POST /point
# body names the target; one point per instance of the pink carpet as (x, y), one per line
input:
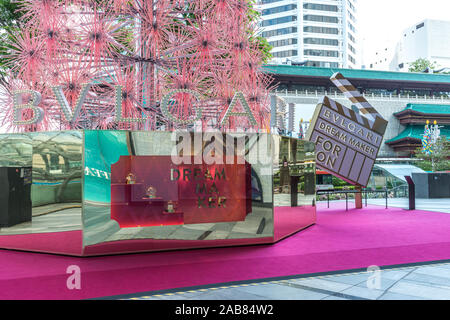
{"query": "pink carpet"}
(289, 220)
(340, 240)
(66, 242)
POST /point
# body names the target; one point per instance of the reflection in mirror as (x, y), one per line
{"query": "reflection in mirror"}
(40, 175)
(294, 186)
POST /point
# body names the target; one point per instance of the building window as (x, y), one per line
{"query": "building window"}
(279, 32)
(310, 17)
(276, 21)
(351, 16)
(322, 64)
(351, 5)
(279, 9)
(351, 27)
(321, 30)
(350, 47)
(321, 7)
(284, 42)
(321, 53)
(320, 41)
(351, 37)
(269, 1)
(352, 60)
(284, 54)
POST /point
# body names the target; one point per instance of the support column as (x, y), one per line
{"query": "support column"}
(358, 197)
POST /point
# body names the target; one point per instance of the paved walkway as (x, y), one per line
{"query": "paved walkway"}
(439, 205)
(419, 282)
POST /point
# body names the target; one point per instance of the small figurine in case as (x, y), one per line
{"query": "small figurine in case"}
(131, 178)
(170, 206)
(151, 192)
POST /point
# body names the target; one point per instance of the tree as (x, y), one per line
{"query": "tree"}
(439, 158)
(263, 44)
(10, 23)
(9, 15)
(421, 65)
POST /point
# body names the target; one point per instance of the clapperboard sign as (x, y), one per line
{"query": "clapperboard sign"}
(347, 142)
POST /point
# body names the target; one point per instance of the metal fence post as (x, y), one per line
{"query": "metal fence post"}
(366, 196)
(386, 198)
(346, 201)
(328, 199)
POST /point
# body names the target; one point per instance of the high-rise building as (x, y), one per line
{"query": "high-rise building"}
(320, 33)
(429, 39)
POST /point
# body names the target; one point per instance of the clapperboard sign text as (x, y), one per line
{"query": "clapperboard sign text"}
(347, 142)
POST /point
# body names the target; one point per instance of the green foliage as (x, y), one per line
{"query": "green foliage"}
(9, 15)
(263, 44)
(440, 156)
(10, 22)
(421, 64)
(338, 182)
(264, 47)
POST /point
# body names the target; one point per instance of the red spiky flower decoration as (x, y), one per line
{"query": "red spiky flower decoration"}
(133, 53)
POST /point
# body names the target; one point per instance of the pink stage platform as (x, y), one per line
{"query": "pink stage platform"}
(340, 240)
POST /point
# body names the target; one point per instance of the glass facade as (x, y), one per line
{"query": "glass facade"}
(321, 30)
(321, 41)
(283, 54)
(350, 47)
(316, 24)
(269, 1)
(325, 19)
(279, 32)
(279, 9)
(321, 53)
(352, 38)
(322, 64)
(280, 20)
(284, 42)
(320, 7)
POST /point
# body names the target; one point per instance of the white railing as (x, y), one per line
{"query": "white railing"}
(336, 95)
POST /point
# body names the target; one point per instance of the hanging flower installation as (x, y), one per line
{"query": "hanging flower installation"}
(133, 64)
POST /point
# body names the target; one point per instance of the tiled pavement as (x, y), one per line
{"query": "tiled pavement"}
(439, 205)
(418, 282)
(66, 218)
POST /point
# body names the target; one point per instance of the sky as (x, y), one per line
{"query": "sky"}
(381, 22)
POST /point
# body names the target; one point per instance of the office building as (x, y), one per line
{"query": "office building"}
(428, 39)
(311, 32)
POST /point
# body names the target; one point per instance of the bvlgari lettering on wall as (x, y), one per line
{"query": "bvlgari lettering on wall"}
(70, 114)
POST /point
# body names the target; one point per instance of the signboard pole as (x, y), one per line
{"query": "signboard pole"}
(412, 193)
(358, 197)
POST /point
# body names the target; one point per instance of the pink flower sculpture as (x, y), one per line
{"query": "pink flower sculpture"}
(133, 53)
